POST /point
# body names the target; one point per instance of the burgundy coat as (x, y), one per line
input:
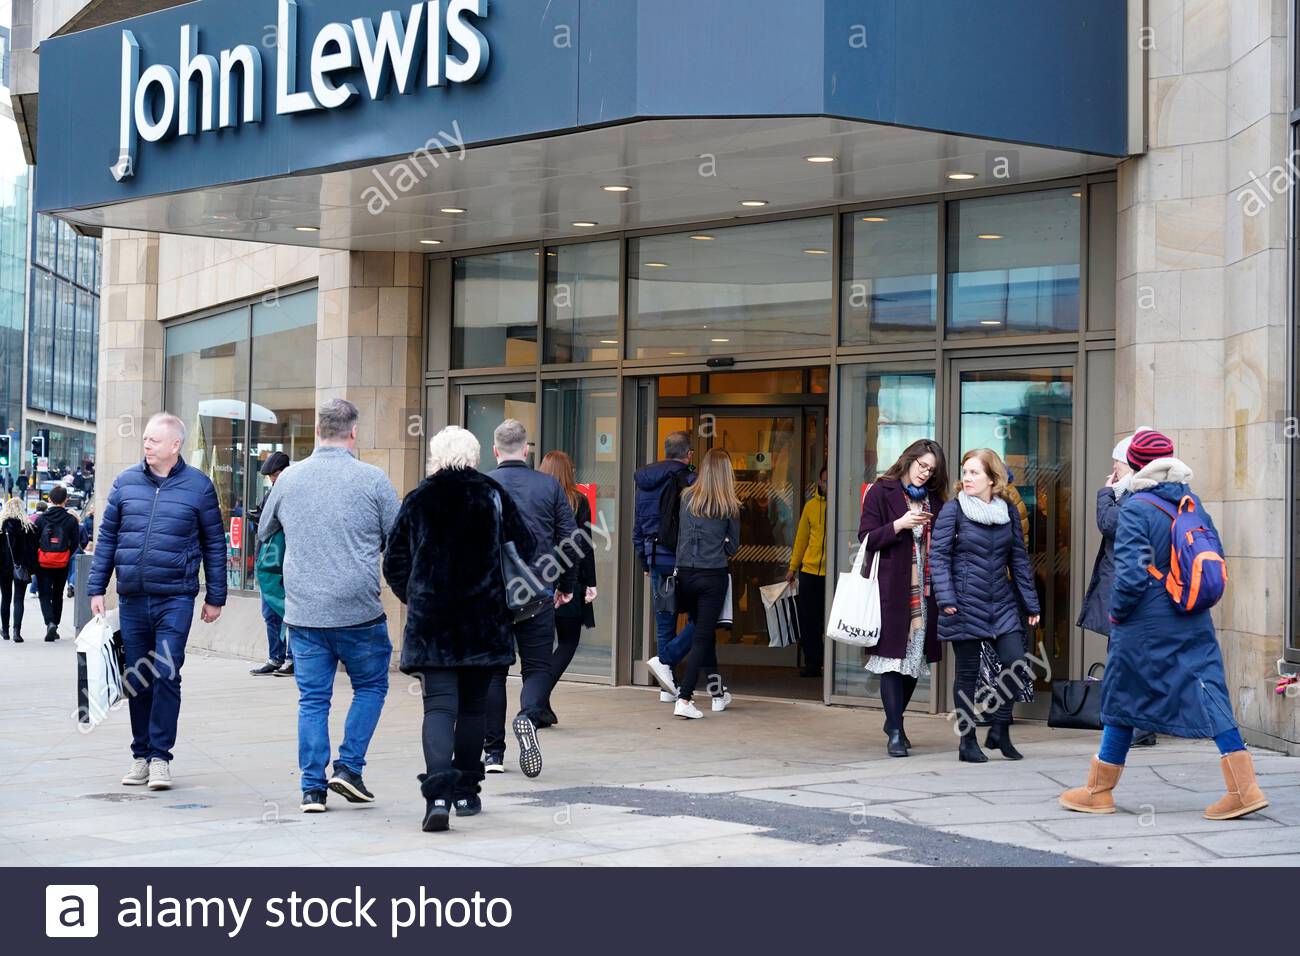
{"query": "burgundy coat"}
(885, 503)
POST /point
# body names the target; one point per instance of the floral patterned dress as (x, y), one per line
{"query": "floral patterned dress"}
(913, 663)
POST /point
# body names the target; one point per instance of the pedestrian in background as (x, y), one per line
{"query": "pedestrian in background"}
(896, 524)
(984, 588)
(1164, 671)
(17, 564)
(549, 516)
(58, 535)
(808, 562)
(269, 567)
(444, 564)
(161, 522)
(708, 535)
(336, 513)
(570, 618)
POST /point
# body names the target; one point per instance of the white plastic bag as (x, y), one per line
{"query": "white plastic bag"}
(100, 662)
(782, 616)
(855, 611)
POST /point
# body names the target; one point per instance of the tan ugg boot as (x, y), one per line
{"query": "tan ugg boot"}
(1095, 796)
(1244, 795)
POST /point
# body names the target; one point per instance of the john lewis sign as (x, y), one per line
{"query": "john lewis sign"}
(207, 92)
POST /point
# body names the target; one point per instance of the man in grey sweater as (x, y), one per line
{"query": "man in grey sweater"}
(336, 513)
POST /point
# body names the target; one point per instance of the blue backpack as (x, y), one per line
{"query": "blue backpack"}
(1198, 574)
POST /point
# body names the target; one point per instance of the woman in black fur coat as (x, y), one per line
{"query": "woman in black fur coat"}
(444, 563)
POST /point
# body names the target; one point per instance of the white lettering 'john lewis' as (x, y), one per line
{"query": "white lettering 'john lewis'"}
(207, 92)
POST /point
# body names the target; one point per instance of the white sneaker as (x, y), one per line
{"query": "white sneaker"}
(667, 697)
(663, 674)
(687, 709)
(722, 703)
(138, 775)
(160, 775)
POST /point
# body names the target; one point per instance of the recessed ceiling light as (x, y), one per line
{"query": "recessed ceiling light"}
(452, 210)
(585, 224)
(430, 242)
(720, 341)
(616, 189)
(988, 235)
(656, 265)
(701, 237)
(990, 321)
(609, 341)
(961, 176)
(676, 353)
(1077, 195)
(875, 219)
(819, 159)
(306, 229)
(814, 252)
(754, 203)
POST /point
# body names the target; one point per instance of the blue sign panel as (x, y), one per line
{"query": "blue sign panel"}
(224, 91)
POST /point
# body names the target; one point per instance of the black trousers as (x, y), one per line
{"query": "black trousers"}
(1011, 651)
(534, 639)
(811, 604)
(700, 593)
(12, 592)
(455, 707)
(568, 632)
(50, 583)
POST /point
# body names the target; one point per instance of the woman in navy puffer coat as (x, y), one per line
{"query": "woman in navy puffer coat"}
(1164, 671)
(977, 540)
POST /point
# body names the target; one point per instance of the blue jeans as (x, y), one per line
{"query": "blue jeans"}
(154, 632)
(672, 647)
(278, 650)
(365, 652)
(1115, 742)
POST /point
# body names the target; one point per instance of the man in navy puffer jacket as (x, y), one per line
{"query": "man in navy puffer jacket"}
(161, 521)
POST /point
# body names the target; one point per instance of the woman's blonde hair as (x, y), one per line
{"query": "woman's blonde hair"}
(714, 493)
(993, 468)
(560, 467)
(13, 508)
(453, 447)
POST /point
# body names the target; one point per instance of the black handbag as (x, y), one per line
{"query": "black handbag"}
(21, 574)
(664, 597)
(1076, 704)
(520, 583)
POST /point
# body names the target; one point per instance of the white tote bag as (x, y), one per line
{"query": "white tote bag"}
(782, 615)
(99, 671)
(855, 611)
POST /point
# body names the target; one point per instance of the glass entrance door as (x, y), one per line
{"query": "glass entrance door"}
(1026, 415)
(484, 407)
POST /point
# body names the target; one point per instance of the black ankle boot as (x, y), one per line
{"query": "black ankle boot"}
(897, 746)
(999, 738)
(438, 790)
(969, 750)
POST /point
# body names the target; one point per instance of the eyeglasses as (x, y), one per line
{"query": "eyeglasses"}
(924, 468)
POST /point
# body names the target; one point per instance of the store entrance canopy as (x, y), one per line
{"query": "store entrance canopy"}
(349, 124)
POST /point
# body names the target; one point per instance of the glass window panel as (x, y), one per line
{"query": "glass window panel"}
(207, 388)
(283, 410)
(1103, 213)
(485, 411)
(890, 283)
(782, 381)
(494, 310)
(763, 287)
(582, 303)
(881, 413)
(580, 418)
(1013, 263)
(679, 386)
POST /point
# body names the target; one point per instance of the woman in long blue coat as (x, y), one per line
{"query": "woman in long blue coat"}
(1164, 672)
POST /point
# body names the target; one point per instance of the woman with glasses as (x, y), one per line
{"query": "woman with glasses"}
(895, 525)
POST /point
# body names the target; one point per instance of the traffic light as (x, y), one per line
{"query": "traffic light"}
(4, 451)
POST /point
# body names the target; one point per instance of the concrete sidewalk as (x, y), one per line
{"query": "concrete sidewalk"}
(625, 784)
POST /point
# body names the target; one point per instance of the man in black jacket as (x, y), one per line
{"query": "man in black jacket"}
(547, 513)
(59, 533)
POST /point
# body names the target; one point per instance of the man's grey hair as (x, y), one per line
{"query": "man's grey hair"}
(172, 422)
(510, 437)
(453, 447)
(677, 446)
(336, 419)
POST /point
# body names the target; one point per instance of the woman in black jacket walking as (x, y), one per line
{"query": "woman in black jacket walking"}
(977, 540)
(17, 558)
(444, 563)
(572, 617)
(708, 534)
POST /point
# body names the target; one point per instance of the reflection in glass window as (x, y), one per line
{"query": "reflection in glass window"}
(1013, 263)
(582, 303)
(890, 284)
(754, 288)
(881, 413)
(494, 310)
(484, 412)
(581, 419)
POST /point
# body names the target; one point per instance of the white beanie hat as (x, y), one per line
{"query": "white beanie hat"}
(1121, 450)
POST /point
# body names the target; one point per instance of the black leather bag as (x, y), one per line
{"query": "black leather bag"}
(664, 597)
(1076, 704)
(523, 600)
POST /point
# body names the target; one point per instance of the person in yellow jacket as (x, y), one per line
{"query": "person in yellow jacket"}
(808, 561)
